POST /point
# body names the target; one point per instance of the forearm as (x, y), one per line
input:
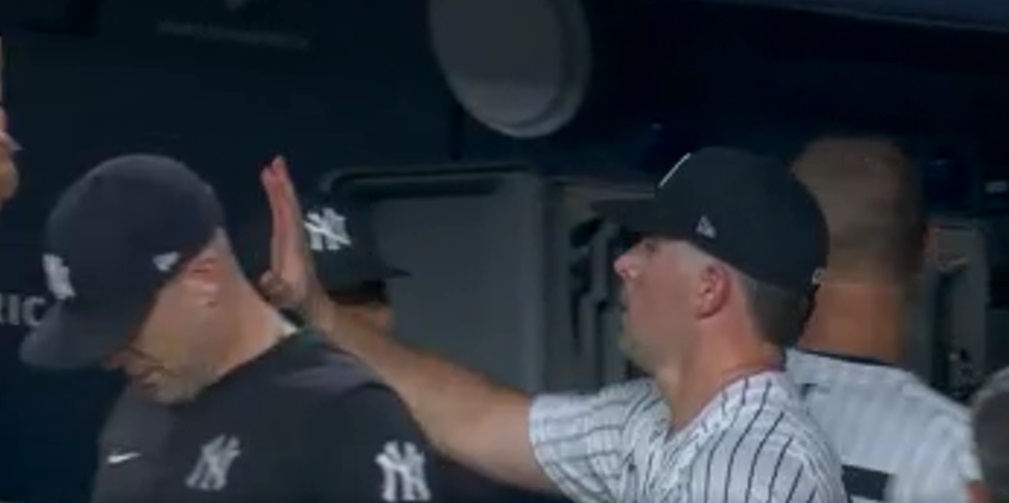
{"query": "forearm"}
(466, 416)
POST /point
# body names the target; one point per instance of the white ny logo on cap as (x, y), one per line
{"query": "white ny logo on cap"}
(327, 230)
(57, 276)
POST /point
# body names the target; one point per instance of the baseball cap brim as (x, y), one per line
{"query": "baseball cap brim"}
(70, 338)
(338, 272)
(641, 215)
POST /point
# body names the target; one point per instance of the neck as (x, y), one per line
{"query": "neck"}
(860, 320)
(257, 327)
(707, 368)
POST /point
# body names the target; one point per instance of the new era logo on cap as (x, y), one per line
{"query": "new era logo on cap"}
(166, 261)
(705, 228)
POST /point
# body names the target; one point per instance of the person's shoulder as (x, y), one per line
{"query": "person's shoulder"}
(319, 371)
(774, 461)
(903, 392)
(767, 444)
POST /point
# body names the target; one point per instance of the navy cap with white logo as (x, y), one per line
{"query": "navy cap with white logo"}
(745, 209)
(341, 243)
(114, 238)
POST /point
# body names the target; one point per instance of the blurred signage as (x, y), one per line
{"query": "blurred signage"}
(278, 24)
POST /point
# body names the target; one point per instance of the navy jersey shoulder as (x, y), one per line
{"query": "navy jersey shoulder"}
(311, 371)
(300, 423)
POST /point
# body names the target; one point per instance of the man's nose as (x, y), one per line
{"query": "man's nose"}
(626, 266)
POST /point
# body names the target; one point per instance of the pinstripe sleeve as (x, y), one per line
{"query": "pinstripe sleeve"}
(577, 439)
(737, 467)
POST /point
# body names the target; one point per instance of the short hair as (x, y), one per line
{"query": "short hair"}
(367, 293)
(871, 195)
(990, 417)
(780, 315)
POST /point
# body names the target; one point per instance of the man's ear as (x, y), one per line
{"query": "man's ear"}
(712, 291)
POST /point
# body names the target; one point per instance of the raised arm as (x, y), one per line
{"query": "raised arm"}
(478, 423)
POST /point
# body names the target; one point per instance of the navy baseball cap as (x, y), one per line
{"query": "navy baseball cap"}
(342, 245)
(114, 238)
(746, 210)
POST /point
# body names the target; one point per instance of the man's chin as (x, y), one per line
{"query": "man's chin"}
(630, 349)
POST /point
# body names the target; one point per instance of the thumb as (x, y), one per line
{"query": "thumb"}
(276, 290)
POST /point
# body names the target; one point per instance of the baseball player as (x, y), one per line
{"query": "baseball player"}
(731, 248)
(990, 416)
(227, 401)
(355, 278)
(899, 440)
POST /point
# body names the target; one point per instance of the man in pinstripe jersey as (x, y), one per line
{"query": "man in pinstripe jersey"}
(731, 251)
(899, 440)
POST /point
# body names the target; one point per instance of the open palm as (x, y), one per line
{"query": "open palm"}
(291, 278)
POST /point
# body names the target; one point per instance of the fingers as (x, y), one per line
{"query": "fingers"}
(284, 218)
(277, 219)
(282, 184)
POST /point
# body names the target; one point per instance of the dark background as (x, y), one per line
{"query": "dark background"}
(87, 80)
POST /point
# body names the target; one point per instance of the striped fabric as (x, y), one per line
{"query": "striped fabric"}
(900, 441)
(754, 443)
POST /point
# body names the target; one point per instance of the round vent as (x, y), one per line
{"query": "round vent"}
(520, 67)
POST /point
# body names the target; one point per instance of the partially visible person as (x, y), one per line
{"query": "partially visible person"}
(730, 254)
(990, 418)
(900, 441)
(355, 276)
(228, 402)
(9, 178)
(344, 251)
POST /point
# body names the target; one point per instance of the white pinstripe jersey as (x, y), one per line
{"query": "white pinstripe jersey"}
(899, 440)
(754, 443)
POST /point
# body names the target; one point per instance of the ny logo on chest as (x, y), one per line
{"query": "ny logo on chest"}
(216, 458)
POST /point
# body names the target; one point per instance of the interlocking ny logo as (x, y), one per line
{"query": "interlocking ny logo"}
(403, 478)
(216, 457)
(327, 230)
(57, 276)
